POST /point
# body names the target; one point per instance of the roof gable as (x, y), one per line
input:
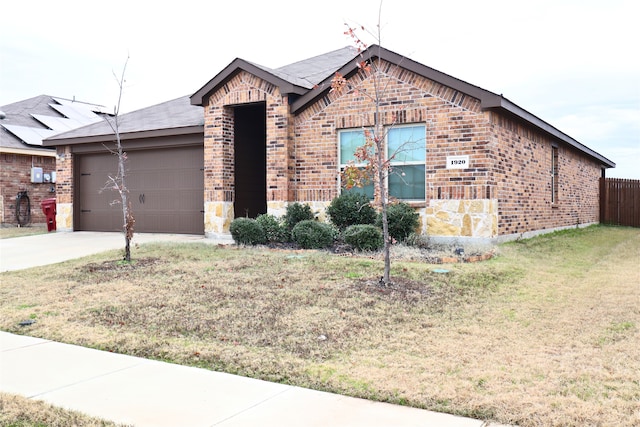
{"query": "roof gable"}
(378, 52)
(231, 70)
(297, 78)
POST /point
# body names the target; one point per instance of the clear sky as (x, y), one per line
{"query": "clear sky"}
(573, 63)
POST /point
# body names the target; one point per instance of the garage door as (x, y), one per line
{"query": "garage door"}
(166, 189)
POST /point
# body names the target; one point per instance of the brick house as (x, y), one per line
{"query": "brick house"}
(480, 167)
(25, 164)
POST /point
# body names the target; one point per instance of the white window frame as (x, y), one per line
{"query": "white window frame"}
(342, 165)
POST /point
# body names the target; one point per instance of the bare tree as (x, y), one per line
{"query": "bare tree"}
(373, 153)
(117, 182)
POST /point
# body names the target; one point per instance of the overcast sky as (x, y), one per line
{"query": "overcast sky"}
(574, 64)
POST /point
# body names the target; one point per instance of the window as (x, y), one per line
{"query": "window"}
(554, 175)
(349, 141)
(407, 146)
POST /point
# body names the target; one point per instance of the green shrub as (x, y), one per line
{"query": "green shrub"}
(364, 237)
(403, 220)
(311, 234)
(274, 229)
(297, 212)
(247, 231)
(351, 208)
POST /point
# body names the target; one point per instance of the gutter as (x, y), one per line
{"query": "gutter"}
(110, 137)
(27, 152)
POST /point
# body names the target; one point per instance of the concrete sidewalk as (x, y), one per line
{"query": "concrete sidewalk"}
(142, 392)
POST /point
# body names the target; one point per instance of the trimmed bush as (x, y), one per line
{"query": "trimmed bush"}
(247, 231)
(311, 234)
(297, 212)
(274, 229)
(351, 208)
(403, 220)
(364, 237)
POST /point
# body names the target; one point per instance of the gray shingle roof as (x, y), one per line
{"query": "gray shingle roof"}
(309, 72)
(175, 114)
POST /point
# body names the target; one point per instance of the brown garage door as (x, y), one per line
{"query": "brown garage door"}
(166, 189)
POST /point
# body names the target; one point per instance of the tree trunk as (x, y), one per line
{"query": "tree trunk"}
(127, 217)
(381, 159)
(126, 213)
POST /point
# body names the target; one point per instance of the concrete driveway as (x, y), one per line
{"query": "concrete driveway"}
(19, 253)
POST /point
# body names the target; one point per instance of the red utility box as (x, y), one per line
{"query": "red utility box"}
(49, 209)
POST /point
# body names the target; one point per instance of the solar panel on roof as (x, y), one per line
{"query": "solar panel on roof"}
(92, 107)
(58, 124)
(31, 136)
(83, 116)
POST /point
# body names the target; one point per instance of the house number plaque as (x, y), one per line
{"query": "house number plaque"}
(457, 162)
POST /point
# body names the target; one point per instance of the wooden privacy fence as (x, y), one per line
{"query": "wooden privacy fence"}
(620, 201)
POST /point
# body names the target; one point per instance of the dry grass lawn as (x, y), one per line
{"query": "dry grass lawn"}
(9, 232)
(545, 334)
(18, 411)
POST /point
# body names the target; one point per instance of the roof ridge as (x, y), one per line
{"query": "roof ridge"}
(351, 48)
(317, 68)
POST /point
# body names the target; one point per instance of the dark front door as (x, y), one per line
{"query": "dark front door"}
(250, 136)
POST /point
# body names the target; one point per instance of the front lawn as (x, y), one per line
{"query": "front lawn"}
(9, 231)
(547, 333)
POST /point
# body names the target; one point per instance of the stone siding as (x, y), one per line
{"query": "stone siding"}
(217, 218)
(462, 218)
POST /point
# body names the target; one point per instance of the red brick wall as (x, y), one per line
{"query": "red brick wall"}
(522, 171)
(15, 176)
(454, 126)
(218, 153)
(64, 172)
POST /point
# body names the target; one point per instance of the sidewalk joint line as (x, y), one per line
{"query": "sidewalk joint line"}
(288, 388)
(27, 346)
(143, 362)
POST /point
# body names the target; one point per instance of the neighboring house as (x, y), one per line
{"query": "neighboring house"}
(483, 169)
(25, 164)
